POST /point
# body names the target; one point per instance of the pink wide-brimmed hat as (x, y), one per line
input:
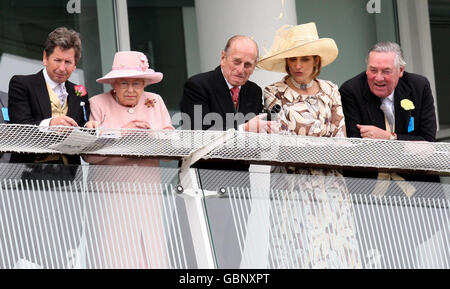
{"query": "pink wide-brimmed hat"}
(131, 64)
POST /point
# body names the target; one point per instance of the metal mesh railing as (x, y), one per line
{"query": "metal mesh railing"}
(238, 146)
(113, 217)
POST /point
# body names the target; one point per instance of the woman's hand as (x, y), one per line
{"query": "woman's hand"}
(92, 124)
(140, 124)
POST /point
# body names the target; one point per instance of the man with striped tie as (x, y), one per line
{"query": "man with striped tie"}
(48, 98)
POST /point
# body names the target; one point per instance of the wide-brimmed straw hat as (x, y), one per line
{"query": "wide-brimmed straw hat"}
(297, 41)
(131, 64)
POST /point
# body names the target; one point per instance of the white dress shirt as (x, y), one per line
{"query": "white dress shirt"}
(388, 104)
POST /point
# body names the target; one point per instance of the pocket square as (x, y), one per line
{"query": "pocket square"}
(5, 114)
(411, 124)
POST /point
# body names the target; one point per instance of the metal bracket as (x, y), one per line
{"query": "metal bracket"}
(193, 197)
(196, 155)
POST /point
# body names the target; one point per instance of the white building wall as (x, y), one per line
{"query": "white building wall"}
(218, 20)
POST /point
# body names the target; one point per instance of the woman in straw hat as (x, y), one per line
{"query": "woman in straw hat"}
(314, 105)
(132, 231)
(310, 107)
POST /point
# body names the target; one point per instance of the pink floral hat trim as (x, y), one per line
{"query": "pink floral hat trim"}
(131, 64)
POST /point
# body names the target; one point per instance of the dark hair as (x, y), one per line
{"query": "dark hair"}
(235, 37)
(64, 38)
(317, 67)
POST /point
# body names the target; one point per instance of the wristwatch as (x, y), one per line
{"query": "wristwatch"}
(393, 136)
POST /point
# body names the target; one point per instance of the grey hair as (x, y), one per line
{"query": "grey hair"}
(236, 37)
(64, 38)
(399, 60)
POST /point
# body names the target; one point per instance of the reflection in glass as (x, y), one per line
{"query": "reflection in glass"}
(26, 26)
(300, 221)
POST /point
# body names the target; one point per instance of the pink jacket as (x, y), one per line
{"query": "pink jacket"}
(110, 114)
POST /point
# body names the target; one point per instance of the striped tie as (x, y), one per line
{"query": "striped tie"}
(235, 93)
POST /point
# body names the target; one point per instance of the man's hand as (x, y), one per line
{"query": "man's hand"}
(370, 131)
(261, 125)
(63, 121)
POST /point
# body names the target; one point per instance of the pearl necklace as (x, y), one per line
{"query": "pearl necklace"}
(301, 86)
(130, 110)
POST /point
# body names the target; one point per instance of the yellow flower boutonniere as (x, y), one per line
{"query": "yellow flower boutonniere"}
(407, 104)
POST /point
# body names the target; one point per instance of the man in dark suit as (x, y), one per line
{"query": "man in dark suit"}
(385, 79)
(385, 102)
(224, 98)
(48, 98)
(219, 100)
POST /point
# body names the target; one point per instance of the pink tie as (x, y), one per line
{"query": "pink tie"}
(235, 92)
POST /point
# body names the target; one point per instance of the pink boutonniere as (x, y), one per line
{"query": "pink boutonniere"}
(80, 90)
(150, 102)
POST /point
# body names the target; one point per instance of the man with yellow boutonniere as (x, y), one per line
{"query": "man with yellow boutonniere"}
(386, 102)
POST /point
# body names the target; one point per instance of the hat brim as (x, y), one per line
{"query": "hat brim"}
(150, 77)
(326, 48)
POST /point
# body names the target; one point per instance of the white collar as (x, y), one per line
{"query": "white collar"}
(50, 82)
(229, 85)
(390, 97)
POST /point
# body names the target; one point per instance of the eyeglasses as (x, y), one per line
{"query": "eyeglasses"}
(134, 84)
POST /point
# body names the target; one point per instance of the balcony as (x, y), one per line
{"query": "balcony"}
(86, 216)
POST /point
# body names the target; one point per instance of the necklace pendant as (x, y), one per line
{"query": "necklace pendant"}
(131, 110)
(302, 86)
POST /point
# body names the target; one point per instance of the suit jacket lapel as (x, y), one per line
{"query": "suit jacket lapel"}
(375, 114)
(42, 95)
(73, 101)
(242, 97)
(402, 91)
(222, 93)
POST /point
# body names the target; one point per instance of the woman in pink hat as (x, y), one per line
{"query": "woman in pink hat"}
(127, 105)
(132, 234)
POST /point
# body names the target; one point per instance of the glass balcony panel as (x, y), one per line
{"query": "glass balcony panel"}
(92, 217)
(314, 221)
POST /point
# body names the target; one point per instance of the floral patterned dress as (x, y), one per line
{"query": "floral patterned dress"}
(313, 224)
